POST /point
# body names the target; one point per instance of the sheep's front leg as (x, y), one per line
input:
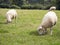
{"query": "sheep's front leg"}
(51, 31)
(45, 31)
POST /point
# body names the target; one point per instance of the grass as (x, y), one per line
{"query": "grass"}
(22, 31)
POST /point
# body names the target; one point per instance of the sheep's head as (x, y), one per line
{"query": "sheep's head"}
(41, 30)
(8, 21)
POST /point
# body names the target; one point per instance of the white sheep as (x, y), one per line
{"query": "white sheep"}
(10, 15)
(52, 8)
(48, 21)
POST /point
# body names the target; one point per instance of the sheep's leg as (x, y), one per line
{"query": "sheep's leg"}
(45, 31)
(51, 31)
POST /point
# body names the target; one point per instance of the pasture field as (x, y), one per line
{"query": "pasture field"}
(23, 30)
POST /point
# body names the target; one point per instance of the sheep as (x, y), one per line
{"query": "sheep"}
(48, 21)
(52, 8)
(11, 14)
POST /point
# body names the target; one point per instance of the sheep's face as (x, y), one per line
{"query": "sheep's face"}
(8, 21)
(41, 31)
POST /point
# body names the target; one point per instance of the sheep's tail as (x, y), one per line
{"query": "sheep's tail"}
(52, 9)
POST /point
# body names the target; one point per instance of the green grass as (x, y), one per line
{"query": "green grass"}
(23, 30)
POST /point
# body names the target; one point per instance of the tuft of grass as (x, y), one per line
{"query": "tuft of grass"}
(23, 30)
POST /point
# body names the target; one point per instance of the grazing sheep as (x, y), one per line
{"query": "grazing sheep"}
(52, 8)
(48, 21)
(11, 14)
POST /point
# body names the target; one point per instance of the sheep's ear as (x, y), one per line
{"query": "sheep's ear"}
(39, 28)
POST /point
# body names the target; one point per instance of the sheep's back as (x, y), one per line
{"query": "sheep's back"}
(49, 19)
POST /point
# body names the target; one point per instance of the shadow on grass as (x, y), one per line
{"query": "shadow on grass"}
(4, 31)
(3, 23)
(34, 33)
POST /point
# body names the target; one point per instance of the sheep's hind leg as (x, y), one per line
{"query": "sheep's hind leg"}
(51, 31)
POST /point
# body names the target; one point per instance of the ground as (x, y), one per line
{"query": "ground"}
(23, 30)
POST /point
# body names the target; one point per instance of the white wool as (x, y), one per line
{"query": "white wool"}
(48, 21)
(52, 8)
(10, 14)
(50, 16)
